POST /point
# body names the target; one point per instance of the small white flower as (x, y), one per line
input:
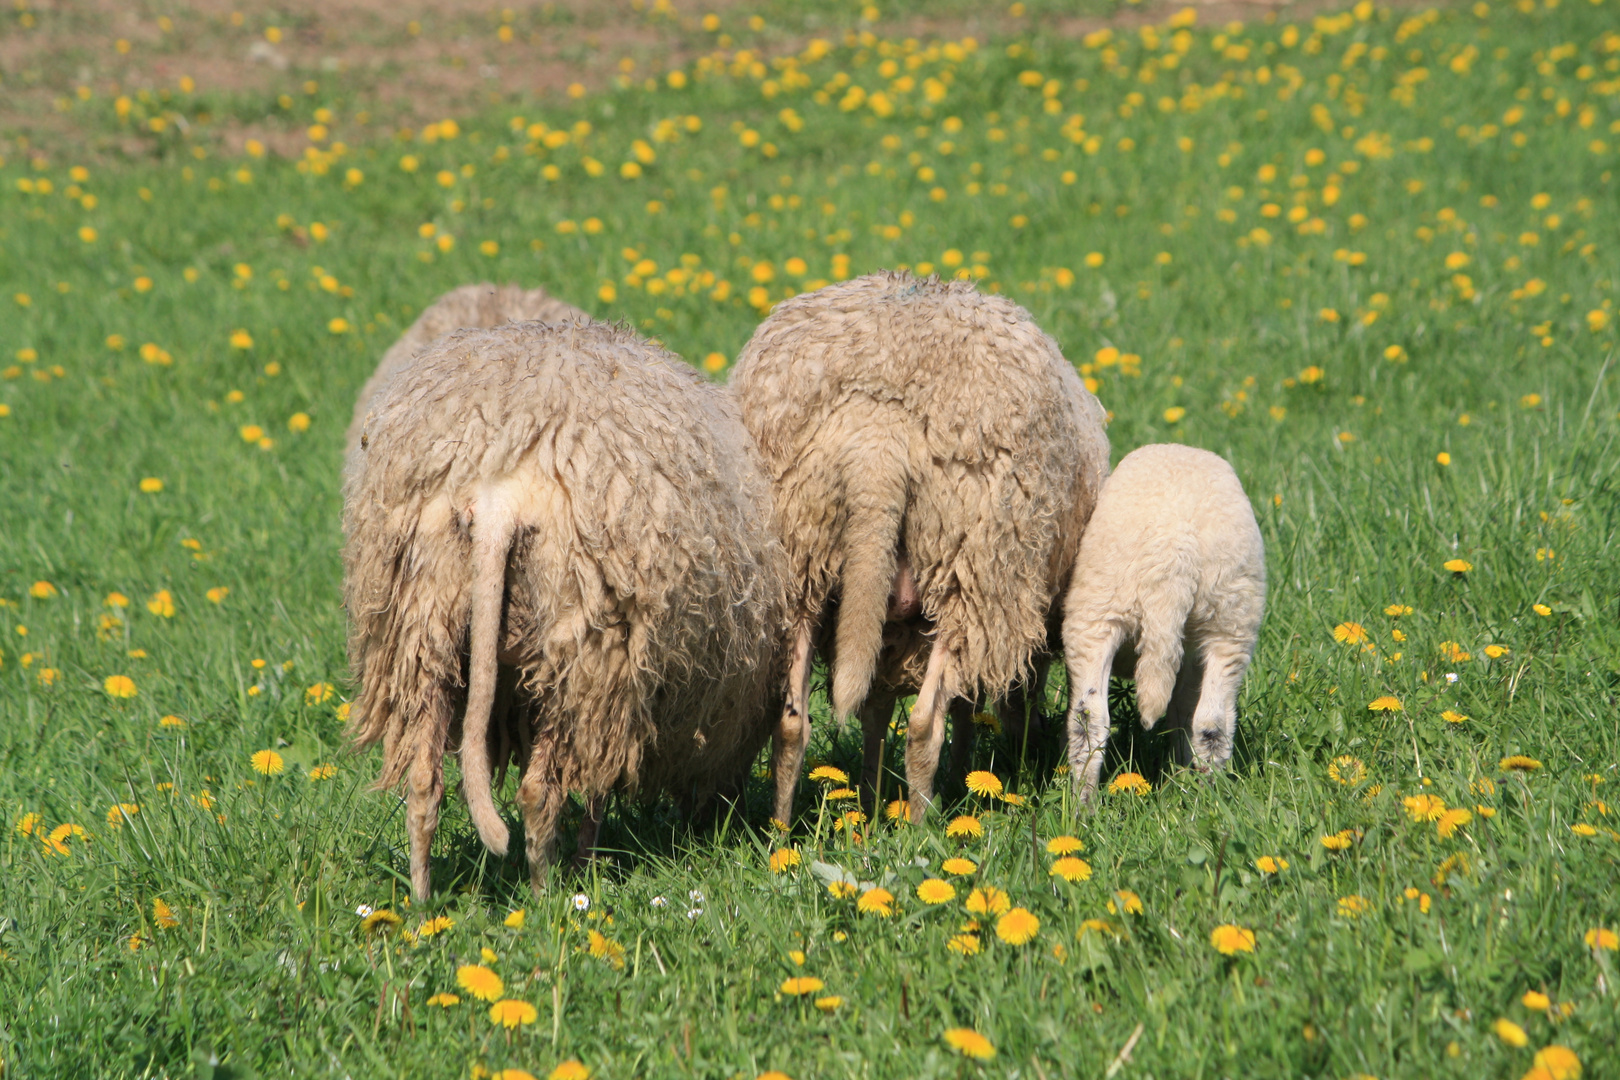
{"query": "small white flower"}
(693, 913)
(581, 902)
(363, 910)
(1451, 676)
(660, 901)
(696, 896)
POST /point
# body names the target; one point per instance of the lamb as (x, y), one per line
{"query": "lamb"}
(569, 518)
(934, 459)
(1170, 584)
(464, 307)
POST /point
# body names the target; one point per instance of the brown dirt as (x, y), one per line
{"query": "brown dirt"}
(382, 64)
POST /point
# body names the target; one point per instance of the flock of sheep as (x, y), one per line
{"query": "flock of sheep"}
(568, 552)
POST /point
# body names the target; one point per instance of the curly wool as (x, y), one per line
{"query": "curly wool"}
(1169, 587)
(895, 411)
(464, 307)
(643, 594)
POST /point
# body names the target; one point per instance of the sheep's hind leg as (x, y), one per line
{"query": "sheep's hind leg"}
(1178, 716)
(424, 794)
(590, 828)
(792, 736)
(1091, 661)
(877, 711)
(541, 797)
(1214, 722)
(925, 732)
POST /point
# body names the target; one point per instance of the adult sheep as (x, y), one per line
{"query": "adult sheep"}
(1169, 587)
(573, 505)
(934, 459)
(462, 308)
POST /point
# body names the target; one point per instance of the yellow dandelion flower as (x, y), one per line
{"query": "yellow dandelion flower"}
(1354, 906)
(1127, 901)
(1071, 869)
(515, 919)
(829, 1004)
(1229, 940)
(437, 925)
(1395, 611)
(161, 604)
(267, 762)
(1601, 938)
(1347, 770)
(1135, 783)
(1269, 864)
(28, 824)
(1536, 1000)
(510, 1013)
(1350, 633)
(42, 590)
(800, 985)
(1541, 609)
(571, 1069)
(835, 794)
(1558, 1062)
(988, 900)
(323, 772)
(1011, 799)
(964, 944)
(1518, 762)
(784, 860)
(382, 919)
(898, 810)
(604, 948)
(1509, 1032)
(1339, 841)
(1387, 703)
(966, 1041)
(877, 901)
(1452, 717)
(841, 890)
(958, 867)
(1424, 807)
(829, 774)
(171, 721)
(1583, 829)
(119, 813)
(982, 782)
(1452, 820)
(119, 686)
(164, 915)
(444, 1001)
(1064, 845)
(965, 826)
(480, 982)
(1017, 927)
(1458, 566)
(935, 891)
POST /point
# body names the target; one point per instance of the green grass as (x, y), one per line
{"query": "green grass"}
(268, 971)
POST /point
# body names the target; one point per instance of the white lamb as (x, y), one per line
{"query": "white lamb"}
(1171, 568)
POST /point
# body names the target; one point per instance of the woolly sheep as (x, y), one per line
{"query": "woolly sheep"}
(1170, 584)
(577, 510)
(465, 307)
(931, 451)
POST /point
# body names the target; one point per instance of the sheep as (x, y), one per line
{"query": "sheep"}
(934, 459)
(464, 307)
(1170, 585)
(576, 519)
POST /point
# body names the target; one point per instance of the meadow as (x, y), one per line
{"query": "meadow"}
(1368, 255)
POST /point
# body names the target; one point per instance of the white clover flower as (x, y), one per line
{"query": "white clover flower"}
(581, 902)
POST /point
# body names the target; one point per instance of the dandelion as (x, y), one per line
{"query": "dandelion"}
(829, 774)
(1518, 763)
(1071, 869)
(1541, 609)
(1458, 566)
(571, 1069)
(323, 772)
(151, 485)
(988, 900)
(1017, 927)
(1350, 633)
(1424, 807)
(1127, 901)
(514, 920)
(1229, 940)
(936, 891)
(840, 793)
(841, 890)
(981, 782)
(604, 948)
(1354, 906)
(1339, 841)
(1509, 1032)
(1347, 770)
(965, 826)
(161, 604)
(1064, 845)
(42, 590)
(1496, 652)
(382, 919)
(171, 721)
(877, 901)
(218, 594)
(443, 1000)
(829, 1004)
(267, 762)
(1387, 703)
(1174, 414)
(800, 985)
(1452, 717)
(1452, 652)
(1135, 783)
(958, 867)
(784, 860)
(119, 686)
(970, 1043)
(436, 925)
(964, 944)
(1536, 1001)
(898, 810)
(1270, 864)
(480, 982)
(120, 813)
(1558, 1063)
(1601, 938)
(241, 339)
(510, 1013)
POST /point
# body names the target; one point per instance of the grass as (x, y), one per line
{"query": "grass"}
(1413, 367)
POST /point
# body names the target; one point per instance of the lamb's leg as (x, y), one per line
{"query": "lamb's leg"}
(1215, 719)
(792, 736)
(876, 712)
(590, 828)
(1178, 717)
(1091, 660)
(925, 733)
(424, 794)
(541, 797)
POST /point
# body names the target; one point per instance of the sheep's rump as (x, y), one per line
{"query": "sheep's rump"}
(464, 307)
(644, 590)
(959, 405)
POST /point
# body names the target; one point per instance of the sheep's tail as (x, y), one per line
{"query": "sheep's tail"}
(1159, 648)
(871, 536)
(492, 526)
